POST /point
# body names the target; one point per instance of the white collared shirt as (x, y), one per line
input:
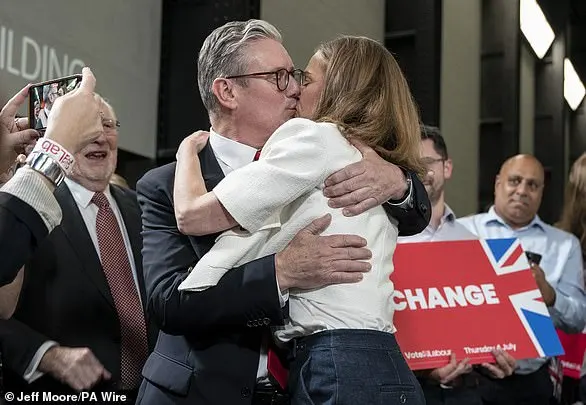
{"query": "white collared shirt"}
(231, 155)
(448, 229)
(561, 262)
(89, 212)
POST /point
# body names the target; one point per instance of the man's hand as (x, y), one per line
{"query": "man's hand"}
(365, 184)
(448, 373)
(547, 291)
(311, 261)
(76, 117)
(505, 364)
(192, 144)
(74, 366)
(15, 137)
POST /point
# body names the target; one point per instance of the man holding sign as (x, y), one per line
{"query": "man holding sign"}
(456, 383)
(556, 262)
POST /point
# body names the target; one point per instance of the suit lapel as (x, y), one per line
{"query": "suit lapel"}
(131, 216)
(210, 168)
(75, 230)
(212, 175)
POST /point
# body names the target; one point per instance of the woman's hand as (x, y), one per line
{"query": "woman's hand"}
(193, 144)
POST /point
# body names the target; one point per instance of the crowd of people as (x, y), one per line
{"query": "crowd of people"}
(256, 268)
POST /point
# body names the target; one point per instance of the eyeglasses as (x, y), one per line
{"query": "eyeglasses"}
(110, 124)
(281, 77)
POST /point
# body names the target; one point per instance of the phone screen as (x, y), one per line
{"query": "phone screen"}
(42, 96)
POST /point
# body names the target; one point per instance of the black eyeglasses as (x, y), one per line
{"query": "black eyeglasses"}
(281, 77)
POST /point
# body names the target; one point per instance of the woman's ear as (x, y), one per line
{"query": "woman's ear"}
(223, 89)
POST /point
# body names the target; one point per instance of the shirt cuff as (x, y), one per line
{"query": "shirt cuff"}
(406, 202)
(31, 374)
(283, 296)
(560, 306)
(28, 185)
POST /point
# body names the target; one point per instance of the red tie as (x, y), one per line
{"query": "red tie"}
(114, 258)
(256, 156)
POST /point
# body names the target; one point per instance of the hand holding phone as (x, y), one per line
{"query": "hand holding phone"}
(532, 257)
(42, 97)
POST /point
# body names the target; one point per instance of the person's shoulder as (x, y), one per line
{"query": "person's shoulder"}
(559, 234)
(305, 126)
(471, 218)
(158, 177)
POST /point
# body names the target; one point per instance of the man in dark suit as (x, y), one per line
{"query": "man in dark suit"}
(28, 210)
(214, 345)
(80, 323)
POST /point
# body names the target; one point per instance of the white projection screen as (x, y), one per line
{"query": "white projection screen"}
(119, 40)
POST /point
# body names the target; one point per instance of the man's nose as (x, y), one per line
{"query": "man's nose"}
(294, 89)
(522, 188)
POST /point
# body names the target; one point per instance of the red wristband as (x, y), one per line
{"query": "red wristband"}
(57, 152)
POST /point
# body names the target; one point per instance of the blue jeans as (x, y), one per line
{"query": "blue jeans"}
(351, 367)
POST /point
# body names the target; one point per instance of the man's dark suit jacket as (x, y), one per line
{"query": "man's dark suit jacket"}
(21, 231)
(208, 348)
(66, 298)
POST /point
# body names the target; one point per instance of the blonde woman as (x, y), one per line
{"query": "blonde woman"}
(345, 350)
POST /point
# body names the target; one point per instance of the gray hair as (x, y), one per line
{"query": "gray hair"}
(222, 54)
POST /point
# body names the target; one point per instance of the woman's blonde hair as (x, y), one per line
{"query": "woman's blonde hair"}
(366, 94)
(573, 217)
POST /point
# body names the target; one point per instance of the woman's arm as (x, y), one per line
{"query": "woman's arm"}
(296, 158)
(197, 211)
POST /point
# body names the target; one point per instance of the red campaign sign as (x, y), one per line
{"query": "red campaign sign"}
(574, 346)
(468, 297)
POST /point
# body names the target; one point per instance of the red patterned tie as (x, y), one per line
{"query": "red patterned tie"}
(114, 258)
(256, 156)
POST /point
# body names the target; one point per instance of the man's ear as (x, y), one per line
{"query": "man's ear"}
(448, 166)
(223, 89)
(497, 181)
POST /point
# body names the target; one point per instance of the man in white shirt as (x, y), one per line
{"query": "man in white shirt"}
(557, 268)
(80, 322)
(455, 383)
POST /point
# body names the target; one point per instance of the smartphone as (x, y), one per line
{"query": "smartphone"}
(533, 257)
(41, 97)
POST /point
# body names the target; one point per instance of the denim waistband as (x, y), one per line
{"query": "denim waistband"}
(355, 338)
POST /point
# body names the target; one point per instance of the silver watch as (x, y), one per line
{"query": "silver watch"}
(47, 166)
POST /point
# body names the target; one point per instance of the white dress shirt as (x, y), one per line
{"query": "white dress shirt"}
(448, 229)
(89, 213)
(561, 262)
(232, 155)
(282, 193)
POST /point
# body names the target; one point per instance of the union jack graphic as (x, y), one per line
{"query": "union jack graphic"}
(507, 258)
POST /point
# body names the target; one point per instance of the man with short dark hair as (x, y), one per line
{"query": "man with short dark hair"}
(456, 383)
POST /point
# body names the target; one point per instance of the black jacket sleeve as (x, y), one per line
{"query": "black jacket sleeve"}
(415, 219)
(18, 344)
(21, 230)
(244, 297)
